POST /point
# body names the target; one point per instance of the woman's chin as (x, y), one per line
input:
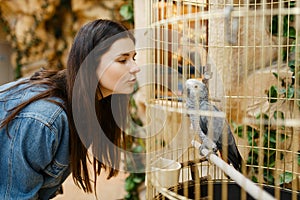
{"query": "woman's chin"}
(129, 91)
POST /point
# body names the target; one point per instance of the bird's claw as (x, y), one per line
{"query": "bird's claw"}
(209, 144)
(210, 151)
(213, 149)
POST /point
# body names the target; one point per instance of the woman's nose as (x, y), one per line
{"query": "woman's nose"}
(134, 69)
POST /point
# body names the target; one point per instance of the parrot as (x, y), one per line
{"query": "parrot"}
(211, 129)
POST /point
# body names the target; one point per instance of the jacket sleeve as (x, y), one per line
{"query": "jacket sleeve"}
(40, 160)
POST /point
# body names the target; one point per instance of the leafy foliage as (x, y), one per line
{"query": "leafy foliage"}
(136, 145)
(270, 139)
(131, 184)
(287, 90)
(286, 177)
(127, 12)
(265, 140)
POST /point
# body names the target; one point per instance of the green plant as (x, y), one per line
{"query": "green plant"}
(131, 185)
(271, 137)
(135, 145)
(264, 139)
(127, 12)
(134, 180)
(289, 55)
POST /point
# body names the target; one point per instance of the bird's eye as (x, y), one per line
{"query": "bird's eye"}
(196, 86)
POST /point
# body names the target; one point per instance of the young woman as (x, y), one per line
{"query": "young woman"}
(47, 121)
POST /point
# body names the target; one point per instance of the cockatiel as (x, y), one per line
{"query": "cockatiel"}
(211, 129)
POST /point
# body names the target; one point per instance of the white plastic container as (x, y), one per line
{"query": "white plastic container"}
(165, 172)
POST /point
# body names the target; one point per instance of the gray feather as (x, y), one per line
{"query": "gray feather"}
(211, 125)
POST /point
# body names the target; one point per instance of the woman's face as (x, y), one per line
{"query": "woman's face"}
(117, 68)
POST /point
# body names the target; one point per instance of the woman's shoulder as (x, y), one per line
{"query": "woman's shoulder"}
(45, 110)
(13, 90)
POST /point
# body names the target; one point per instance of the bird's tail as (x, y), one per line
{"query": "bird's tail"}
(235, 158)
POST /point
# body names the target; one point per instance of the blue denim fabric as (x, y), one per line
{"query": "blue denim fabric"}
(34, 159)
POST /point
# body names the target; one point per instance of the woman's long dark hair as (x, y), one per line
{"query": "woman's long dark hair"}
(90, 42)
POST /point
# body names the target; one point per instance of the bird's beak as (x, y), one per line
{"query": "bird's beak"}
(188, 92)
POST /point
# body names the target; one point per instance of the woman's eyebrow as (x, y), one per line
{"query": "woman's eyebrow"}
(126, 54)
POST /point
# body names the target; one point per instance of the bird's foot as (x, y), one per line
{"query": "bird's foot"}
(209, 145)
(206, 144)
(210, 151)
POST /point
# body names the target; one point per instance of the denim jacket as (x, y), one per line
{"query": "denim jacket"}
(34, 150)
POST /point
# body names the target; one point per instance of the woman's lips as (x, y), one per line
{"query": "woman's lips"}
(133, 79)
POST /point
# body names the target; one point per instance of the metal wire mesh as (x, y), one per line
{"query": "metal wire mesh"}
(249, 51)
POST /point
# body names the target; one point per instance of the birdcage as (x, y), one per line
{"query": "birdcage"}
(247, 53)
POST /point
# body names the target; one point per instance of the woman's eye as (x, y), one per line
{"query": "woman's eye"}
(125, 59)
(122, 61)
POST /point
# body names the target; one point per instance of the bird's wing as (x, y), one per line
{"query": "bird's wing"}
(216, 128)
(211, 125)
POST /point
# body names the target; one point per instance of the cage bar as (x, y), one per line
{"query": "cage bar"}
(248, 54)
